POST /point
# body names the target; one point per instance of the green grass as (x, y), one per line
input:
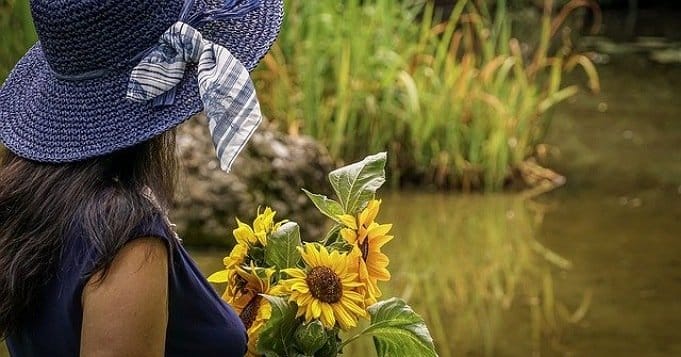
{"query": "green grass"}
(457, 103)
(16, 33)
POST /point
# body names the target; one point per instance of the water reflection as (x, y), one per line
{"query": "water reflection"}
(472, 267)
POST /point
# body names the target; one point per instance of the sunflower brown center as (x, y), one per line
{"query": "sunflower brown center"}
(240, 284)
(250, 312)
(364, 247)
(325, 285)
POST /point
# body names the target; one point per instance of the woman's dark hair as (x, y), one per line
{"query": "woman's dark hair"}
(107, 197)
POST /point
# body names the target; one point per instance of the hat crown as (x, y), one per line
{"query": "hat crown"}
(81, 36)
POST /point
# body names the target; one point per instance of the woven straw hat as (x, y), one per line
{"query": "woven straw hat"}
(66, 98)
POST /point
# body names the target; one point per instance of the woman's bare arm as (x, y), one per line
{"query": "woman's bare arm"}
(126, 313)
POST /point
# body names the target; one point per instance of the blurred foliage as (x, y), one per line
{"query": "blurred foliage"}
(512, 4)
(473, 268)
(458, 103)
(16, 33)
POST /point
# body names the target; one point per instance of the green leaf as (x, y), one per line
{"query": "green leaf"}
(332, 236)
(257, 254)
(398, 331)
(276, 336)
(311, 337)
(356, 184)
(327, 206)
(282, 247)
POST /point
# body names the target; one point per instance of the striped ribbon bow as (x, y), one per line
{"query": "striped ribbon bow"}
(226, 89)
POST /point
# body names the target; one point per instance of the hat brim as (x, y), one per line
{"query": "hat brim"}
(248, 38)
(47, 119)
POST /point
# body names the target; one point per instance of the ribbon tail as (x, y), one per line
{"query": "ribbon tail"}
(166, 99)
(229, 101)
(231, 145)
(152, 78)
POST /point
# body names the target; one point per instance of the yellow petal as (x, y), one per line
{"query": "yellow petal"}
(353, 296)
(327, 317)
(379, 259)
(369, 214)
(380, 241)
(221, 276)
(264, 222)
(306, 300)
(345, 319)
(276, 290)
(294, 272)
(262, 238)
(315, 308)
(265, 311)
(353, 284)
(244, 235)
(376, 230)
(370, 300)
(348, 220)
(310, 255)
(372, 288)
(378, 273)
(349, 235)
(300, 287)
(353, 308)
(363, 271)
(324, 257)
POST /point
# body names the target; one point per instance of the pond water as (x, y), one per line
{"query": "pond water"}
(592, 268)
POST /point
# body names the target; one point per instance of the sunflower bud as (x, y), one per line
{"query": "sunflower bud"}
(310, 337)
(330, 349)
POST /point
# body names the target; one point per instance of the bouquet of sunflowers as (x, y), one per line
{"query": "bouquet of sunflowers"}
(296, 298)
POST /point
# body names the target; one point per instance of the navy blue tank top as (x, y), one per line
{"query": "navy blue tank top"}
(199, 322)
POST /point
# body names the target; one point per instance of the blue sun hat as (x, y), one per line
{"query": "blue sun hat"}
(109, 74)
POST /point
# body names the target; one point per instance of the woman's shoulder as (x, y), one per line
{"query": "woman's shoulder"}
(155, 225)
(91, 246)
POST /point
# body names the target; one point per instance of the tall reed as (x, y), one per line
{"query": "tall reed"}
(456, 102)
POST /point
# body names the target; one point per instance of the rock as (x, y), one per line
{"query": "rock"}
(270, 172)
(666, 56)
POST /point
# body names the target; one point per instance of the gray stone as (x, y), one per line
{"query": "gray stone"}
(270, 172)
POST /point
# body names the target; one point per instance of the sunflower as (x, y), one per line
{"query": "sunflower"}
(326, 289)
(246, 299)
(263, 225)
(236, 258)
(367, 238)
(246, 238)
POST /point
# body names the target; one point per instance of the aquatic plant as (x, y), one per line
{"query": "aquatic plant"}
(457, 103)
(296, 298)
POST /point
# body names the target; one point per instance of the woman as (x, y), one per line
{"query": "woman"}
(89, 265)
